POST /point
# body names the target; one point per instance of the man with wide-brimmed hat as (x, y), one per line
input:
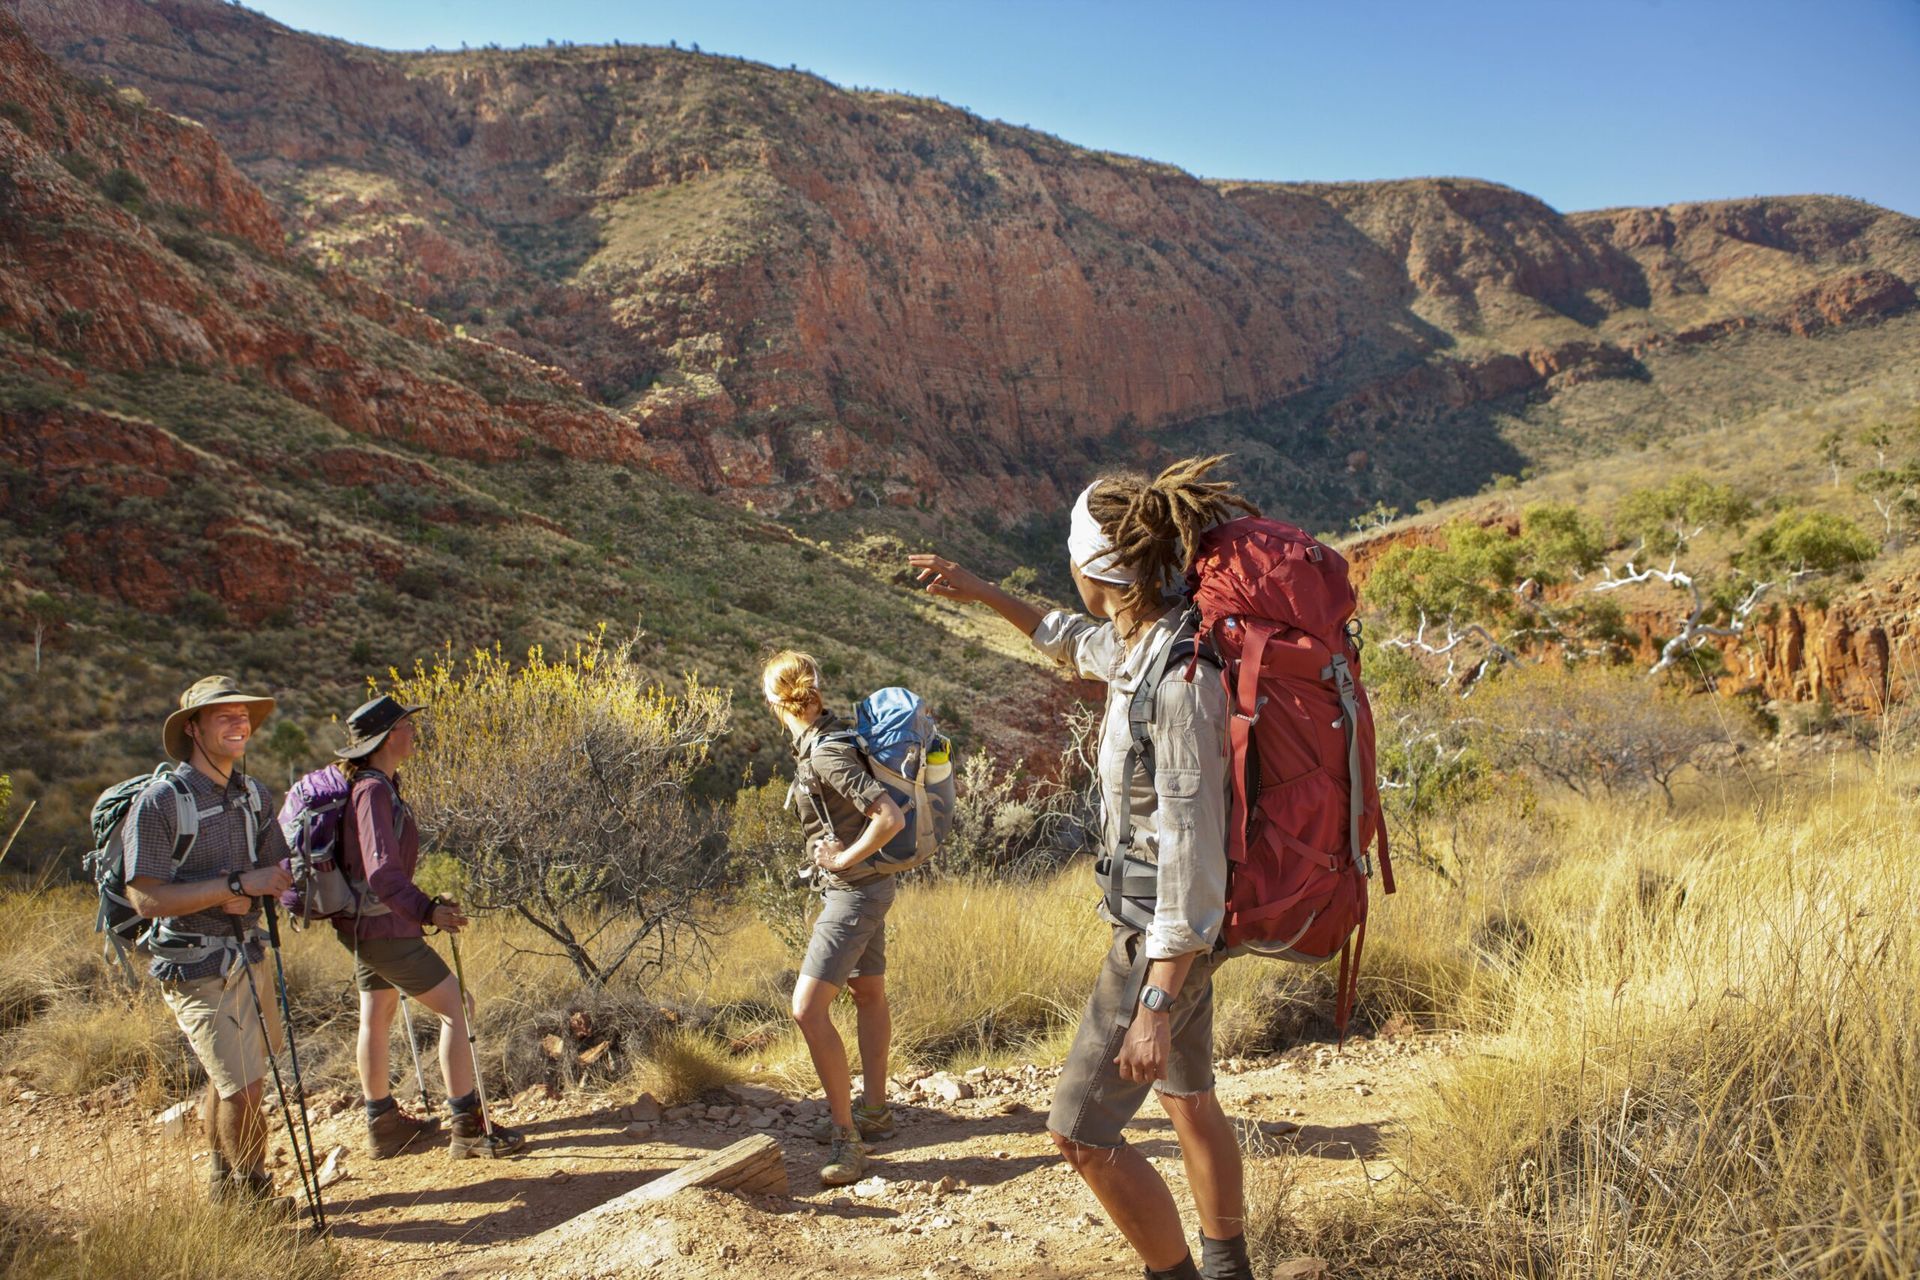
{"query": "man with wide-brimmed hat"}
(195, 895)
(380, 850)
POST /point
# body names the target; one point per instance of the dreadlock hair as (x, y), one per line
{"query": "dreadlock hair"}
(1155, 525)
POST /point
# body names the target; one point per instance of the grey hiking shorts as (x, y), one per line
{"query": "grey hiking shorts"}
(850, 937)
(1093, 1103)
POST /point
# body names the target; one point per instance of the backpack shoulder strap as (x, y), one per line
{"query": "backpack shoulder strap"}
(186, 816)
(1187, 648)
(1184, 645)
(250, 812)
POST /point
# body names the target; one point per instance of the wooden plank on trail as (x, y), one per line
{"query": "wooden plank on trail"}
(753, 1165)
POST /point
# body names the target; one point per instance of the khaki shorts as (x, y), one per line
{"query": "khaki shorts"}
(407, 963)
(850, 937)
(223, 1026)
(1093, 1103)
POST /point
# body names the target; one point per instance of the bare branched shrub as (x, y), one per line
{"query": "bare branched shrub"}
(1595, 729)
(764, 851)
(561, 788)
(1008, 823)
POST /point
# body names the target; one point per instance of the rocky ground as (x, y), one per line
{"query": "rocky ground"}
(970, 1185)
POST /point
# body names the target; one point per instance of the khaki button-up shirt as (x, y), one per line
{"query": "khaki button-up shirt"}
(1180, 813)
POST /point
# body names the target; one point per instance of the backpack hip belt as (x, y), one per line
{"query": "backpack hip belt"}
(173, 945)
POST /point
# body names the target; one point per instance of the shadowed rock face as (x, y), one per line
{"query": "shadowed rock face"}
(776, 280)
(129, 245)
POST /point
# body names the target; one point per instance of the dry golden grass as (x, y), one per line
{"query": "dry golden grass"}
(683, 1064)
(1700, 1059)
(159, 1235)
(1695, 1033)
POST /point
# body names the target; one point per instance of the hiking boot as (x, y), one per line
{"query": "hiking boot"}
(874, 1123)
(847, 1162)
(256, 1190)
(389, 1133)
(470, 1138)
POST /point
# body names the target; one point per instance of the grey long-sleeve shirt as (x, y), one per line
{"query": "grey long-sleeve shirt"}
(1180, 817)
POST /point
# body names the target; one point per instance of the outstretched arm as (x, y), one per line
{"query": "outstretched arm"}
(946, 579)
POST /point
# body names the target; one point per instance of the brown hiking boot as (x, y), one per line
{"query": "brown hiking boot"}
(874, 1123)
(255, 1190)
(847, 1162)
(471, 1139)
(392, 1130)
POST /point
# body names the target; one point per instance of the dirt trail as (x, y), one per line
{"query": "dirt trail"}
(968, 1187)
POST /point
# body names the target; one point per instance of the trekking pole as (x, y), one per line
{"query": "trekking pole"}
(418, 1074)
(279, 1088)
(473, 1050)
(293, 1052)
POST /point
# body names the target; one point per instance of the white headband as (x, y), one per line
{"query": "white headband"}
(1091, 549)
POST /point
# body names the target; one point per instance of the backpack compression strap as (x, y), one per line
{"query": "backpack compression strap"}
(1341, 674)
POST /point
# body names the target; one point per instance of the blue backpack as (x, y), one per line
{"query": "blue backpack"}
(908, 755)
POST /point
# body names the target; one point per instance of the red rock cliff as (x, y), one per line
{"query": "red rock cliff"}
(892, 300)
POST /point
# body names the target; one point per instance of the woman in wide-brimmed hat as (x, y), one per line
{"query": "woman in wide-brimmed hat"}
(380, 848)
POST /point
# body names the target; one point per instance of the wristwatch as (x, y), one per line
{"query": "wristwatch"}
(234, 886)
(1155, 999)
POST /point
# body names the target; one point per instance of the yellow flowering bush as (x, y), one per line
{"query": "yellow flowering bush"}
(560, 787)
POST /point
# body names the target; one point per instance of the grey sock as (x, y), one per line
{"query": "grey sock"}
(1182, 1270)
(218, 1170)
(377, 1107)
(466, 1102)
(1225, 1259)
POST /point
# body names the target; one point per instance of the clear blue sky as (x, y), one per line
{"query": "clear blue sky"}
(1583, 104)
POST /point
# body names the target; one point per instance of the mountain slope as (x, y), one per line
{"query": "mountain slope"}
(901, 304)
(216, 456)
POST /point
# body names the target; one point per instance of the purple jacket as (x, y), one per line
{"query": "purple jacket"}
(380, 843)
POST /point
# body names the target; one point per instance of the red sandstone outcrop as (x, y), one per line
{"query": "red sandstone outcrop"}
(1860, 651)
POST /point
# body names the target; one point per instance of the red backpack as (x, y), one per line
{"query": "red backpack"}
(1272, 607)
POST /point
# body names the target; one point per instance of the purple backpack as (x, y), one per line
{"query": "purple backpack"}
(311, 820)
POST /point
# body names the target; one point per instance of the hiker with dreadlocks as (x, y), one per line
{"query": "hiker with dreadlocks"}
(1149, 1022)
(201, 850)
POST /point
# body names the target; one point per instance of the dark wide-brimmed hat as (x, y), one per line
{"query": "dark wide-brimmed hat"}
(370, 724)
(210, 692)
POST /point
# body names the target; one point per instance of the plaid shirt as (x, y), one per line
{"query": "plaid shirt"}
(219, 848)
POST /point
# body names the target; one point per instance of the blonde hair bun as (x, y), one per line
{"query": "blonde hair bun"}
(792, 680)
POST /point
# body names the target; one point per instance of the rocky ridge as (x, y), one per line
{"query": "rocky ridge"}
(893, 301)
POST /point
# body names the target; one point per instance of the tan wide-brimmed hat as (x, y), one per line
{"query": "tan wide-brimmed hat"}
(211, 691)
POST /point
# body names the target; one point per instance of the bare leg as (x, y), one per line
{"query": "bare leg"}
(210, 1121)
(372, 1052)
(1134, 1196)
(876, 1033)
(243, 1130)
(456, 1064)
(1212, 1157)
(812, 1005)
